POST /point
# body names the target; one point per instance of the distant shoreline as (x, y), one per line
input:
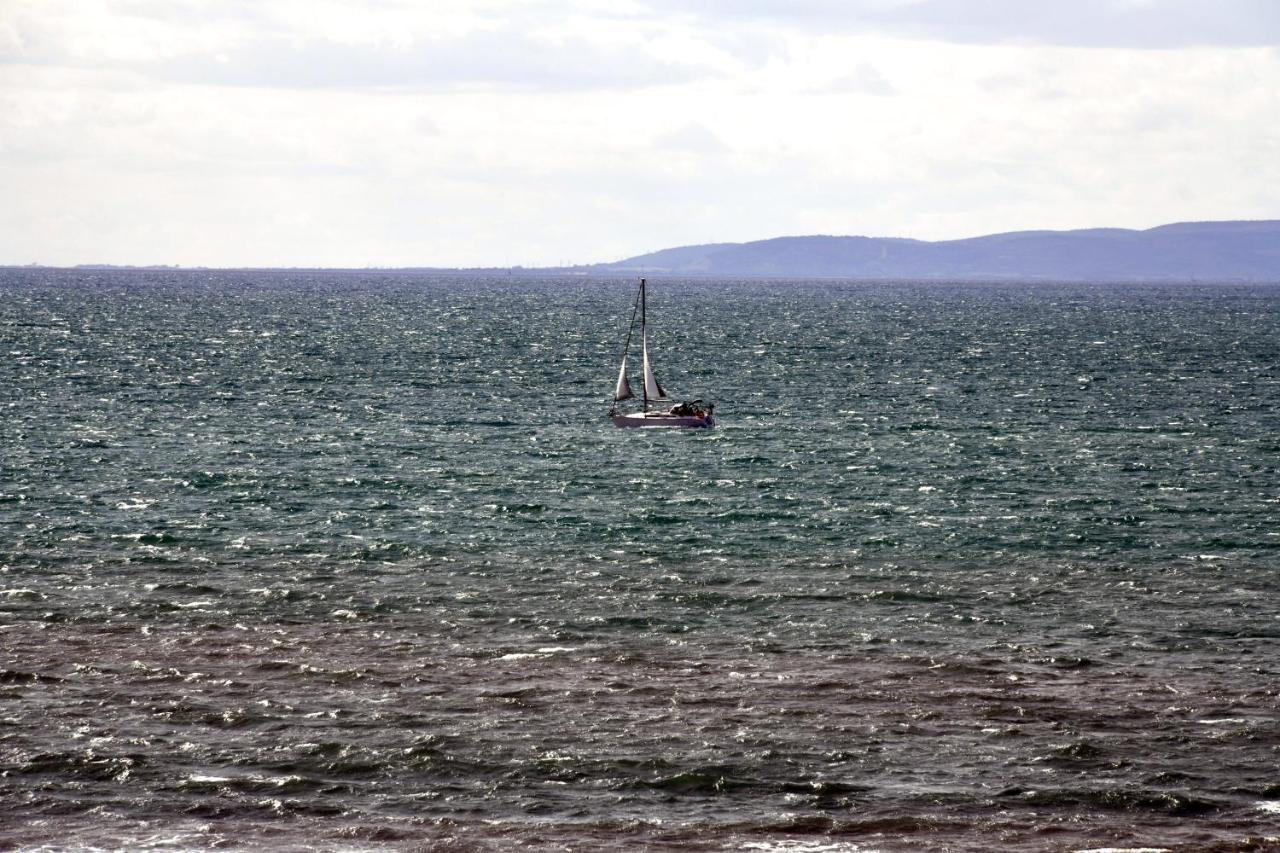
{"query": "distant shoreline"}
(1246, 251)
(612, 275)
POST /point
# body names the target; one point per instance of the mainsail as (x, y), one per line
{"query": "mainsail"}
(652, 390)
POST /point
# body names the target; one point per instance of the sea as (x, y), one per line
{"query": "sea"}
(356, 561)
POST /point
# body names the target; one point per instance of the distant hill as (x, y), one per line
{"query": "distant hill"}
(1215, 251)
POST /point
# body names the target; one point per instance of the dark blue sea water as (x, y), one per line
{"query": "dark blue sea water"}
(356, 561)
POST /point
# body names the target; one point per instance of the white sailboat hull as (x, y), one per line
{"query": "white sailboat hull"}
(650, 420)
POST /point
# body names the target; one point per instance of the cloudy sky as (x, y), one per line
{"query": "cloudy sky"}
(544, 132)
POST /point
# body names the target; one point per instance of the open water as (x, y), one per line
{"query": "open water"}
(356, 562)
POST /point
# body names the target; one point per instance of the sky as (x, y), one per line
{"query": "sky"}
(390, 133)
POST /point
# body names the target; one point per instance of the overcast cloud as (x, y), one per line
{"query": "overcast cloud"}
(556, 131)
(1079, 23)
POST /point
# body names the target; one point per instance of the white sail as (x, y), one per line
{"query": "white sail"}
(652, 389)
(622, 391)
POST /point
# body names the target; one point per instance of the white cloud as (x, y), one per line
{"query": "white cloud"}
(491, 133)
(692, 138)
(519, 46)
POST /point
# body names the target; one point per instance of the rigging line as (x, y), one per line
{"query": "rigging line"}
(631, 327)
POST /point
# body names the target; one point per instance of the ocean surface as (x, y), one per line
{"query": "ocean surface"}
(356, 561)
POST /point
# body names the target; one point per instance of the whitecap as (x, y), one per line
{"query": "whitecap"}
(796, 846)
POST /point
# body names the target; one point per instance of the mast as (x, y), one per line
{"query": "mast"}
(652, 390)
(644, 342)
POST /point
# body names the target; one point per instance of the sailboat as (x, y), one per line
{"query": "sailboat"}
(694, 414)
